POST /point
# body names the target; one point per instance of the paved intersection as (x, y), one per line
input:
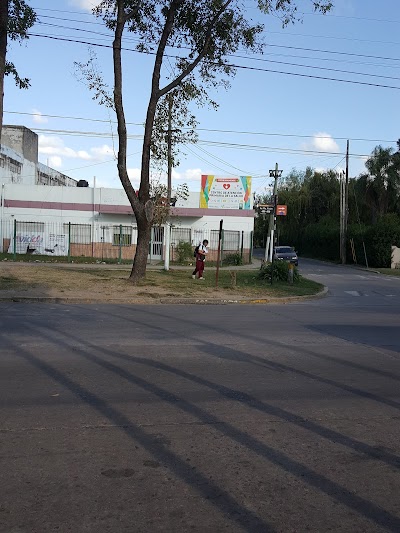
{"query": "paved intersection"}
(204, 418)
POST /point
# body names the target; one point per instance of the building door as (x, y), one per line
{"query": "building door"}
(156, 243)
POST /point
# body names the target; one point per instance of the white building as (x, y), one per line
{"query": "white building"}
(19, 160)
(99, 222)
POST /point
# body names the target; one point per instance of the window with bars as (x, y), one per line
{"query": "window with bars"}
(15, 167)
(80, 233)
(30, 227)
(122, 236)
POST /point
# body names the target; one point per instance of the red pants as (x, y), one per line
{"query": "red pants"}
(199, 268)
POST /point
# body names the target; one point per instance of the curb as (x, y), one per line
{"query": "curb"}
(165, 301)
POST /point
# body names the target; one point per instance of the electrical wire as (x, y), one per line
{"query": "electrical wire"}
(232, 65)
(274, 61)
(213, 130)
(207, 142)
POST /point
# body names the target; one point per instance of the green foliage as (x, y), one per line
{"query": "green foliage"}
(159, 195)
(21, 17)
(379, 189)
(322, 240)
(184, 251)
(380, 238)
(280, 271)
(232, 259)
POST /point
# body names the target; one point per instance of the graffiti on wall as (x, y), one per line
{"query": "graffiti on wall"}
(38, 243)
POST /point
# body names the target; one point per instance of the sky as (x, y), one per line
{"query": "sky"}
(318, 83)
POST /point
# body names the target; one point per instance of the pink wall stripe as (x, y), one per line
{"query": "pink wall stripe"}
(125, 209)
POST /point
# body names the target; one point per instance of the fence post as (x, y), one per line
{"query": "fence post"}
(222, 245)
(69, 242)
(241, 246)
(120, 244)
(251, 247)
(15, 241)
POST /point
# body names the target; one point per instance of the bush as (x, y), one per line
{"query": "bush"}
(280, 270)
(380, 238)
(233, 259)
(184, 251)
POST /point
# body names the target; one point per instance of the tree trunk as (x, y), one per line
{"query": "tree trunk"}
(138, 204)
(142, 248)
(3, 52)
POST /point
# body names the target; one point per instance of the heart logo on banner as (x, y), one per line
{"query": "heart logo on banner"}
(226, 186)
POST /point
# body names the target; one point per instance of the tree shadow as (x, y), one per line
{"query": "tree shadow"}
(334, 490)
(209, 490)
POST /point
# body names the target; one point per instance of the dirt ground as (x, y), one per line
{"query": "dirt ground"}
(22, 280)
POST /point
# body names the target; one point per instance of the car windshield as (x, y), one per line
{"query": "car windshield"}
(284, 250)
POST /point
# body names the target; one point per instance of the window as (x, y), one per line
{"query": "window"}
(80, 233)
(15, 167)
(122, 236)
(30, 227)
(2, 161)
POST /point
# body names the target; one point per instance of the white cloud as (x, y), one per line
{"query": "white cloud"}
(189, 176)
(322, 142)
(55, 146)
(103, 151)
(87, 5)
(55, 161)
(38, 118)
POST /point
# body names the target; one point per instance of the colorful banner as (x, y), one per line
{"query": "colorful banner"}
(225, 193)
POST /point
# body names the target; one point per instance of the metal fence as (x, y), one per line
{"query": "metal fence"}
(232, 243)
(110, 242)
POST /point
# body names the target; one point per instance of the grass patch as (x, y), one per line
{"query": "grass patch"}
(104, 284)
(389, 271)
(8, 283)
(247, 283)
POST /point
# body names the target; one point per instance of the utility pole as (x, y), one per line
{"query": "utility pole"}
(169, 147)
(169, 183)
(272, 218)
(344, 208)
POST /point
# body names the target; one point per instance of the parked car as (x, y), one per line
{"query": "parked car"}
(286, 253)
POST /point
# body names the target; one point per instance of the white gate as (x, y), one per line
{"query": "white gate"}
(156, 243)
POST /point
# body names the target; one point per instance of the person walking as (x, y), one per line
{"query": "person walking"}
(201, 252)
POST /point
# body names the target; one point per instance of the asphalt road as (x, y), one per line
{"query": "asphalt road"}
(204, 418)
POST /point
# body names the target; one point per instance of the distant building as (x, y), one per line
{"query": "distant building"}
(74, 219)
(19, 160)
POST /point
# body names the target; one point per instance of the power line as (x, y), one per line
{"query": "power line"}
(328, 15)
(211, 130)
(269, 32)
(232, 65)
(332, 15)
(131, 39)
(277, 149)
(264, 60)
(268, 44)
(332, 37)
(333, 52)
(207, 142)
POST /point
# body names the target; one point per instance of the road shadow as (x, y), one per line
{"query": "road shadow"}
(338, 493)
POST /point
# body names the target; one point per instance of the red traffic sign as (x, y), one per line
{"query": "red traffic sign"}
(281, 210)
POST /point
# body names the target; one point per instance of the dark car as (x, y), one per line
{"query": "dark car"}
(286, 253)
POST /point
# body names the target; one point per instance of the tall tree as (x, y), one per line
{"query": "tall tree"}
(382, 182)
(16, 17)
(203, 33)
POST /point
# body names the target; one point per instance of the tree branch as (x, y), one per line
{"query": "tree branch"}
(201, 55)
